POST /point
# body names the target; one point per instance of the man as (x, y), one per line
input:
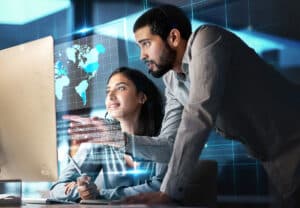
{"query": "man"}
(215, 81)
(223, 84)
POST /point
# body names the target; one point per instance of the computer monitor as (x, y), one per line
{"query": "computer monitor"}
(28, 144)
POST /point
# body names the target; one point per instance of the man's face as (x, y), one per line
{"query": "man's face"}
(156, 53)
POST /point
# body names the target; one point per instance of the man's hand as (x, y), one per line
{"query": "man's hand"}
(148, 198)
(96, 130)
(86, 188)
(84, 128)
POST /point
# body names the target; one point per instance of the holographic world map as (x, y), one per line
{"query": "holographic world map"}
(82, 67)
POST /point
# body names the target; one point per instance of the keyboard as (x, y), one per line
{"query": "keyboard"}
(45, 201)
(95, 201)
(99, 201)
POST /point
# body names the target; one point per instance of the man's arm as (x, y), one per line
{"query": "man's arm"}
(208, 64)
(158, 149)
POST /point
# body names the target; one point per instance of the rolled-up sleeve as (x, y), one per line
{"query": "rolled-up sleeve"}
(208, 60)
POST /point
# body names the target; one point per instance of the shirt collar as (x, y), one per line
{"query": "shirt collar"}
(184, 67)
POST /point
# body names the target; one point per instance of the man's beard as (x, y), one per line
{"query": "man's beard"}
(166, 62)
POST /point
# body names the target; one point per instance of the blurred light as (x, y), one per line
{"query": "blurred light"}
(119, 28)
(258, 41)
(84, 30)
(19, 12)
(122, 28)
(128, 172)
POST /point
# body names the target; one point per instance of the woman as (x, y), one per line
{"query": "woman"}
(134, 101)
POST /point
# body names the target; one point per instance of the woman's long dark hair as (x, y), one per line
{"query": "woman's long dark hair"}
(151, 114)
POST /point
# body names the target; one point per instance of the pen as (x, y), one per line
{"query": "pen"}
(75, 165)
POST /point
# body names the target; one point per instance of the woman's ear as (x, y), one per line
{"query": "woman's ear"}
(174, 38)
(143, 98)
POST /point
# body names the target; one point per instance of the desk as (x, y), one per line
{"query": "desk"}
(92, 206)
(82, 206)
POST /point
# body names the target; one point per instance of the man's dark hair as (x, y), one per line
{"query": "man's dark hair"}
(163, 19)
(151, 114)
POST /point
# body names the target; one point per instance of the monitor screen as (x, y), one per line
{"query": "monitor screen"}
(28, 145)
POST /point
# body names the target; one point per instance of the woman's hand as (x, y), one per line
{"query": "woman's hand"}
(69, 187)
(86, 188)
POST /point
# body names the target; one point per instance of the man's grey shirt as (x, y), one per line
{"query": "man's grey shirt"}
(225, 85)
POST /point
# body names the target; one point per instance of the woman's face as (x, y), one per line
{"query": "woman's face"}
(122, 100)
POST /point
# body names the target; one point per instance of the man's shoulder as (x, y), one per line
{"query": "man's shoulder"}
(209, 28)
(205, 35)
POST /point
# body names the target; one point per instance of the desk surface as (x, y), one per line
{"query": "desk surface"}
(92, 206)
(81, 206)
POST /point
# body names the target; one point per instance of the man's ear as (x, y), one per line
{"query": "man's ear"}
(174, 38)
(143, 98)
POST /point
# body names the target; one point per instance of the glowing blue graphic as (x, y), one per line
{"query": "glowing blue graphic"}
(85, 58)
(61, 79)
(117, 161)
(81, 90)
(84, 30)
(129, 172)
(60, 70)
(100, 48)
(92, 67)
